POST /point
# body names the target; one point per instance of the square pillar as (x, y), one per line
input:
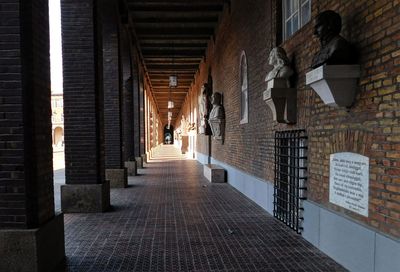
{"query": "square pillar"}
(31, 234)
(113, 93)
(86, 189)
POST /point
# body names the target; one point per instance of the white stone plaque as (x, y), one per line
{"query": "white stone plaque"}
(349, 181)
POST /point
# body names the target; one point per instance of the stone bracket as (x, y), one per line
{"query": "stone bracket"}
(283, 104)
(214, 173)
(336, 85)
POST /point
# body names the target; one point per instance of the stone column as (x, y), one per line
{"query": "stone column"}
(31, 234)
(86, 189)
(116, 173)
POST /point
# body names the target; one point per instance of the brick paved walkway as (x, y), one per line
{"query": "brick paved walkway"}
(172, 219)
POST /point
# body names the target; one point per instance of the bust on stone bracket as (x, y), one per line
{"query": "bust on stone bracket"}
(334, 75)
(279, 97)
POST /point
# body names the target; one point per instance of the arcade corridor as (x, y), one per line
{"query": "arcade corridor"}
(171, 218)
(292, 107)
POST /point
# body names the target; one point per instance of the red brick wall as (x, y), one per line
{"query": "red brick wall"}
(371, 127)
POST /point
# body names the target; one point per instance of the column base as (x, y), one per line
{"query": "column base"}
(131, 166)
(85, 198)
(144, 157)
(139, 162)
(33, 250)
(118, 177)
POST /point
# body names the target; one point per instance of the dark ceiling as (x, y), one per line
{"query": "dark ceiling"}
(173, 37)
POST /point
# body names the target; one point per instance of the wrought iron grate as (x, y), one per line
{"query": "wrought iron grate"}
(290, 177)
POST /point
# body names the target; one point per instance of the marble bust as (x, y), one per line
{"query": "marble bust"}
(281, 70)
(335, 50)
(217, 111)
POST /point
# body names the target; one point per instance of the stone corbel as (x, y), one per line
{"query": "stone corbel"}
(281, 100)
(336, 85)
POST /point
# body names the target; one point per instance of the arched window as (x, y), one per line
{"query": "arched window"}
(244, 97)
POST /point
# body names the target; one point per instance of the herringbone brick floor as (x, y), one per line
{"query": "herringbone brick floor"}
(171, 219)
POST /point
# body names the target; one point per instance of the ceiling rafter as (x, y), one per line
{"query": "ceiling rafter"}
(172, 36)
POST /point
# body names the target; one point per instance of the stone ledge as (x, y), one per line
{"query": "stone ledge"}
(118, 177)
(85, 198)
(131, 167)
(33, 250)
(214, 173)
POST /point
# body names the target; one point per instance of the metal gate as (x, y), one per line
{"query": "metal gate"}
(290, 177)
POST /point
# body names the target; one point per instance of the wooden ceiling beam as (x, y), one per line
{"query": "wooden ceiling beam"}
(175, 66)
(166, 77)
(179, 31)
(178, 25)
(170, 6)
(200, 18)
(174, 40)
(173, 46)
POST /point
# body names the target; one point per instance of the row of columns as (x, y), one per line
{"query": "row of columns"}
(103, 116)
(100, 140)
(152, 125)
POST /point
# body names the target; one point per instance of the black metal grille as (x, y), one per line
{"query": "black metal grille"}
(290, 177)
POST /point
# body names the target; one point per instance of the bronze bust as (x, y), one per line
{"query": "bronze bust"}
(335, 50)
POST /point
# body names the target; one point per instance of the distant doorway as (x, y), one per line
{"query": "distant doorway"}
(168, 134)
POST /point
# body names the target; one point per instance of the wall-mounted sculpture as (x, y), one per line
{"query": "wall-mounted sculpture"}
(280, 98)
(184, 135)
(334, 75)
(184, 126)
(204, 109)
(217, 117)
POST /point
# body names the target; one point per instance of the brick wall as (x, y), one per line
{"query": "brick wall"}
(83, 95)
(26, 178)
(371, 127)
